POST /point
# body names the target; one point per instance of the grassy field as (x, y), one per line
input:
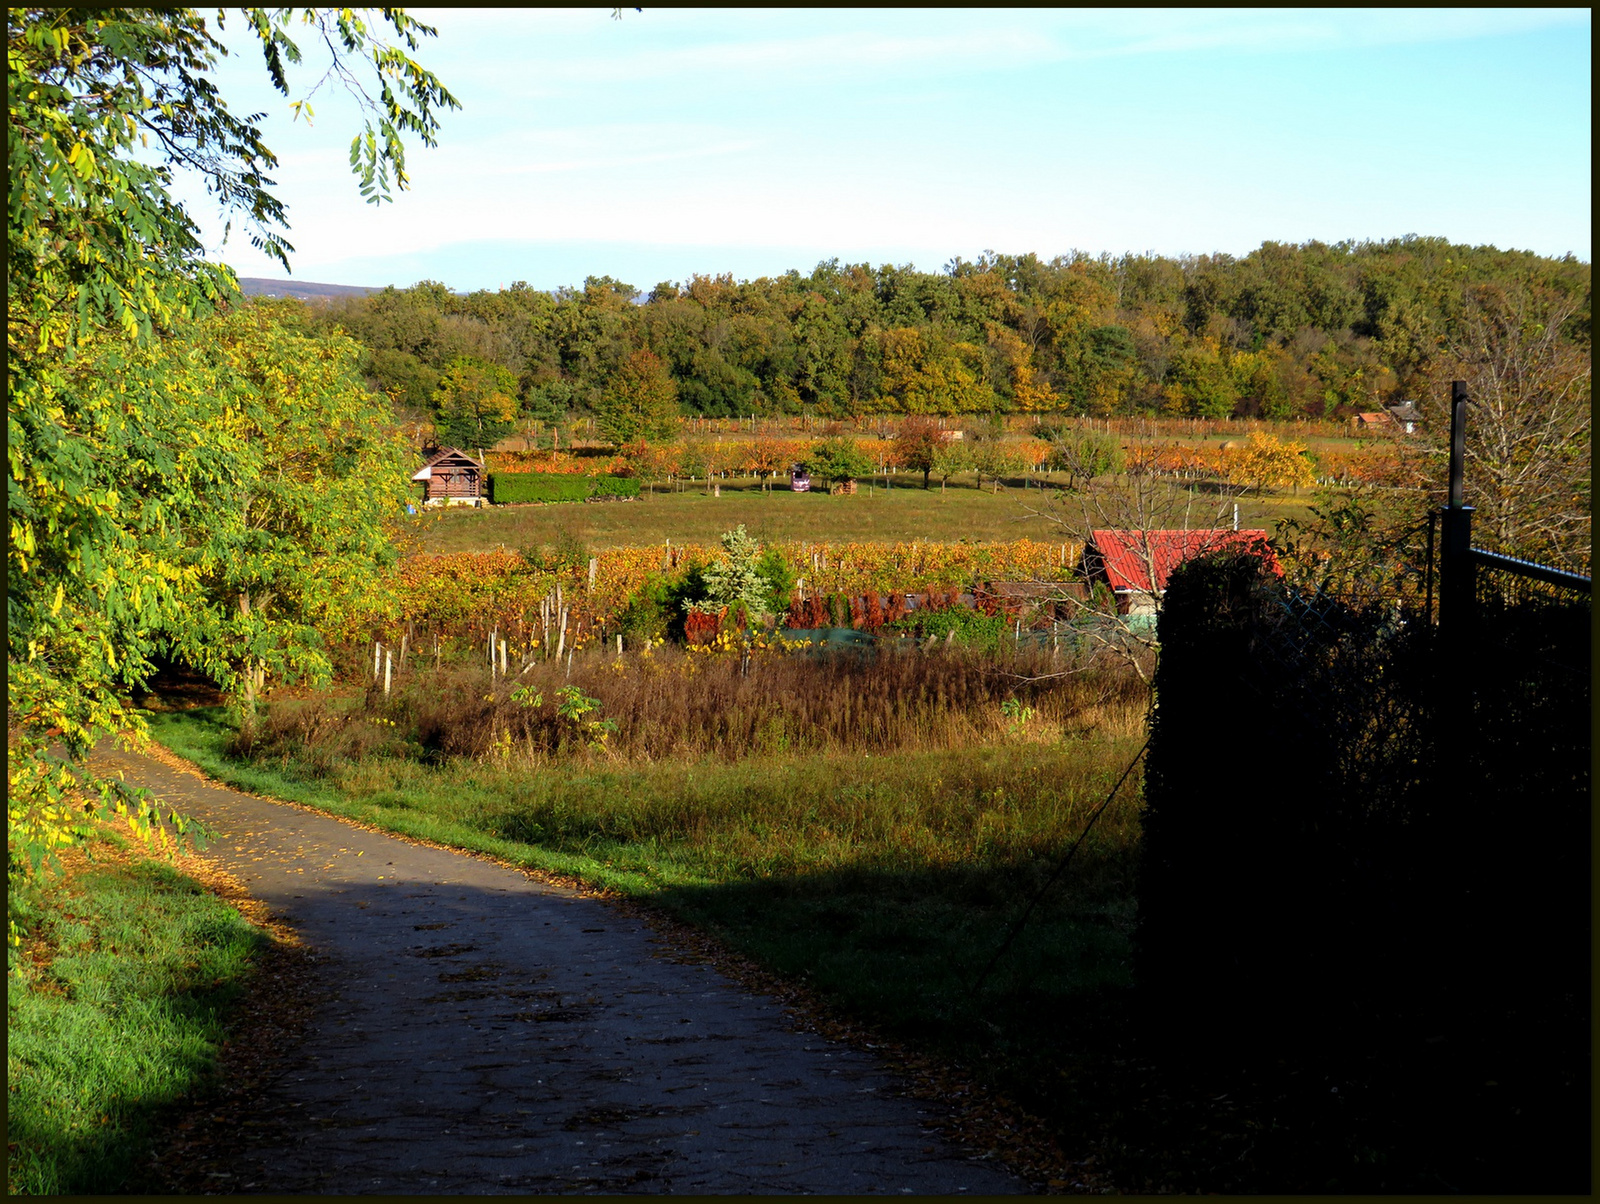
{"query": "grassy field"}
(116, 1008)
(905, 511)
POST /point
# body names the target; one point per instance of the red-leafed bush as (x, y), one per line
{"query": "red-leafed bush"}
(701, 626)
(807, 613)
(866, 612)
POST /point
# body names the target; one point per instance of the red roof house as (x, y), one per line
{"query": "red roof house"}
(1137, 564)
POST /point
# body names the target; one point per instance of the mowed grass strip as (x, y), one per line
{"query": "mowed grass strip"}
(116, 1009)
(885, 881)
(903, 512)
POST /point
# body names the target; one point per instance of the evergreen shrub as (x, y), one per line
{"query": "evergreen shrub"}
(510, 488)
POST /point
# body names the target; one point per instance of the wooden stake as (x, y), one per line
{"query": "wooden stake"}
(388, 670)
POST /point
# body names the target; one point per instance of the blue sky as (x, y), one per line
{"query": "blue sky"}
(674, 142)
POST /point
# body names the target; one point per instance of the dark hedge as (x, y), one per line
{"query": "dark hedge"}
(507, 488)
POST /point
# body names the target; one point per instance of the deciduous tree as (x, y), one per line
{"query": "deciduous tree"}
(1529, 424)
(642, 402)
(1268, 462)
(100, 257)
(837, 460)
(917, 445)
(475, 404)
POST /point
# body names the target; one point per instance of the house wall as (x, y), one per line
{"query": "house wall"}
(455, 482)
(1136, 602)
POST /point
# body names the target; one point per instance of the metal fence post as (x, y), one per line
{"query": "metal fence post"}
(1457, 575)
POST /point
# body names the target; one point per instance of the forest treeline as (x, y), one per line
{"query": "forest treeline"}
(1314, 330)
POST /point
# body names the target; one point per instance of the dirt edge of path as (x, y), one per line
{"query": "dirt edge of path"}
(197, 1138)
(283, 994)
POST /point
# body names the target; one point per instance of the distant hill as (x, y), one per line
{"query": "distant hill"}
(303, 290)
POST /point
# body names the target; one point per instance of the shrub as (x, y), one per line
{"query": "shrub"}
(969, 626)
(807, 615)
(774, 569)
(510, 488)
(702, 626)
(648, 613)
(614, 487)
(313, 737)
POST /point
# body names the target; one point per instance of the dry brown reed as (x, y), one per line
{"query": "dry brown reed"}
(692, 704)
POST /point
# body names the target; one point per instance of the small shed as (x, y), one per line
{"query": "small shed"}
(1406, 414)
(1372, 420)
(799, 479)
(1137, 564)
(450, 477)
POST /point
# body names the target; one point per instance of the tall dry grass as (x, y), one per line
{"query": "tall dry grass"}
(689, 704)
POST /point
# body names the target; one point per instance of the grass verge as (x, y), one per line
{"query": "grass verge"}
(116, 1010)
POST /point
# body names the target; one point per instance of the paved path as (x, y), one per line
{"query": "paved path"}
(492, 1033)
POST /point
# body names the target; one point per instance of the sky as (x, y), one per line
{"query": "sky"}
(678, 142)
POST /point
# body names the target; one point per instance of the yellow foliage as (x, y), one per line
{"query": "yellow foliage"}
(1267, 462)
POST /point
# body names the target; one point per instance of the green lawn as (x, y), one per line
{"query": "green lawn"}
(116, 1007)
(902, 512)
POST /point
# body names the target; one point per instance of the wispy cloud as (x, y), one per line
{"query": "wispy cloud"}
(778, 47)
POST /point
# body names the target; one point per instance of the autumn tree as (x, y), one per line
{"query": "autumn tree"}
(951, 457)
(652, 463)
(995, 458)
(768, 456)
(642, 402)
(475, 404)
(102, 261)
(1084, 454)
(1268, 462)
(925, 376)
(917, 445)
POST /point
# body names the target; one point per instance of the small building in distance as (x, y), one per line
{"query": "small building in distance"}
(1373, 420)
(1136, 564)
(450, 477)
(1405, 414)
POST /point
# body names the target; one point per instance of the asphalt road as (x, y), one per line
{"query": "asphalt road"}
(488, 1032)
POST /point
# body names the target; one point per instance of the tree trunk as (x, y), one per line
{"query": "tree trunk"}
(250, 678)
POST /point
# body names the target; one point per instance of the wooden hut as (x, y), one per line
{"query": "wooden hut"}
(450, 477)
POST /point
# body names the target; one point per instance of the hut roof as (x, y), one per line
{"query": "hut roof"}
(449, 457)
(1131, 558)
